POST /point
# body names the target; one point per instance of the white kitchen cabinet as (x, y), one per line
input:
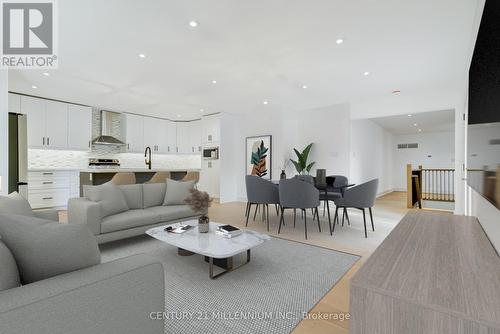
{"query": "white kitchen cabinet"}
(49, 189)
(56, 124)
(135, 133)
(171, 136)
(14, 103)
(183, 138)
(155, 134)
(79, 127)
(162, 136)
(209, 177)
(195, 137)
(210, 128)
(151, 128)
(34, 108)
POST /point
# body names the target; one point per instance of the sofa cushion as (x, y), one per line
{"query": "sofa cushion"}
(154, 194)
(133, 195)
(9, 274)
(177, 192)
(15, 204)
(43, 248)
(173, 212)
(110, 197)
(129, 219)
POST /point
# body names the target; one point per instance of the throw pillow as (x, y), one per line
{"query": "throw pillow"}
(110, 197)
(154, 194)
(9, 275)
(15, 204)
(43, 248)
(133, 195)
(177, 192)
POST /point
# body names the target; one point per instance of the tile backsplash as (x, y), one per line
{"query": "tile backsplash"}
(79, 160)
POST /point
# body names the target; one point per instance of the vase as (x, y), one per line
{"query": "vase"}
(283, 175)
(203, 224)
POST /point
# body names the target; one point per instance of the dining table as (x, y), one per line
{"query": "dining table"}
(328, 188)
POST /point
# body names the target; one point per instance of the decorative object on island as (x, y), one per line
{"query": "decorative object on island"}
(301, 164)
(200, 201)
(259, 156)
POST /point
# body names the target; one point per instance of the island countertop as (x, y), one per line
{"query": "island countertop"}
(135, 170)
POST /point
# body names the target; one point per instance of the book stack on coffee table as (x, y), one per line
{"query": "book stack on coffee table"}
(228, 231)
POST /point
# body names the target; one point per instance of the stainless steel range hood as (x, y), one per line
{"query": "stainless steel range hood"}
(109, 120)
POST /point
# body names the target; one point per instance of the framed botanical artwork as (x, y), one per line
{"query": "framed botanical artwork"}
(259, 156)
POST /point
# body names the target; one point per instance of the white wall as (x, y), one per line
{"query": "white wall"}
(487, 214)
(283, 129)
(371, 154)
(329, 129)
(435, 150)
(4, 121)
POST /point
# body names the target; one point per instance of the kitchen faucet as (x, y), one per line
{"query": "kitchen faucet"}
(147, 156)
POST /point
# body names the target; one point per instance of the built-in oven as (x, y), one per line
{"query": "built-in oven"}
(210, 153)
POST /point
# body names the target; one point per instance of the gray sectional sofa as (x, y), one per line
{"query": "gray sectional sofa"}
(52, 282)
(118, 212)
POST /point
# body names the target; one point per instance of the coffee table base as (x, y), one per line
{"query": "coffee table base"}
(226, 264)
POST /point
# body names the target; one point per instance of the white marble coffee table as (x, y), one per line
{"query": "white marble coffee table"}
(216, 249)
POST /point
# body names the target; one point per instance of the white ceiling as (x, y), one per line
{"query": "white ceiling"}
(434, 121)
(256, 50)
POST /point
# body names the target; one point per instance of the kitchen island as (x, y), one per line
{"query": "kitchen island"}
(100, 176)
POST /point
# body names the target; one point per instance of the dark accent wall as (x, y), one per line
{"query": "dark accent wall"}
(484, 74)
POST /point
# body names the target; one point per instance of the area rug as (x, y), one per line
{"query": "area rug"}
(271, 294)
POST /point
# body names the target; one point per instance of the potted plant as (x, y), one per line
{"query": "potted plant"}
(301, 164)
(200, 201)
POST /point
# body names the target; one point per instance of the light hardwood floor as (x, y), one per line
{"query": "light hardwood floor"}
(388, 211)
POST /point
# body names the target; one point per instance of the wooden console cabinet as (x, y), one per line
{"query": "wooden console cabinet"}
(434, 273)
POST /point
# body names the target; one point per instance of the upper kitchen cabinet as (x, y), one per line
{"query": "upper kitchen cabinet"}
(211, 128)
(135, 133)
(155, 134)
(35, 110)
(183, 137)
(56, 124)
(79, 127)
(196, 135)
(189, 137)
(14, 103)
(171, 136)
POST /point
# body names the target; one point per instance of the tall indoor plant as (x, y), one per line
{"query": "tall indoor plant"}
(301, 164)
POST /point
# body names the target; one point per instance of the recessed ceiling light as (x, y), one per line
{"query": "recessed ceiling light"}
(47, 74)
(34, 87)
(202, 110)
(409, 115)
(339, 41)
(214, 81)
(415, 124)
(304, 86)
(193, 24)
(396, 92)
(366, 73)
(265, 102)
(142, 55)
(419, 130)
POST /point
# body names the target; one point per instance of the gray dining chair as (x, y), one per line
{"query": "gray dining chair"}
(360, 197)
(260, 192)
(297, 194)
(309, 179)
(336, 187)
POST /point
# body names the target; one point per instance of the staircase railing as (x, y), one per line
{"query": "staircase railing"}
(429, 184)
